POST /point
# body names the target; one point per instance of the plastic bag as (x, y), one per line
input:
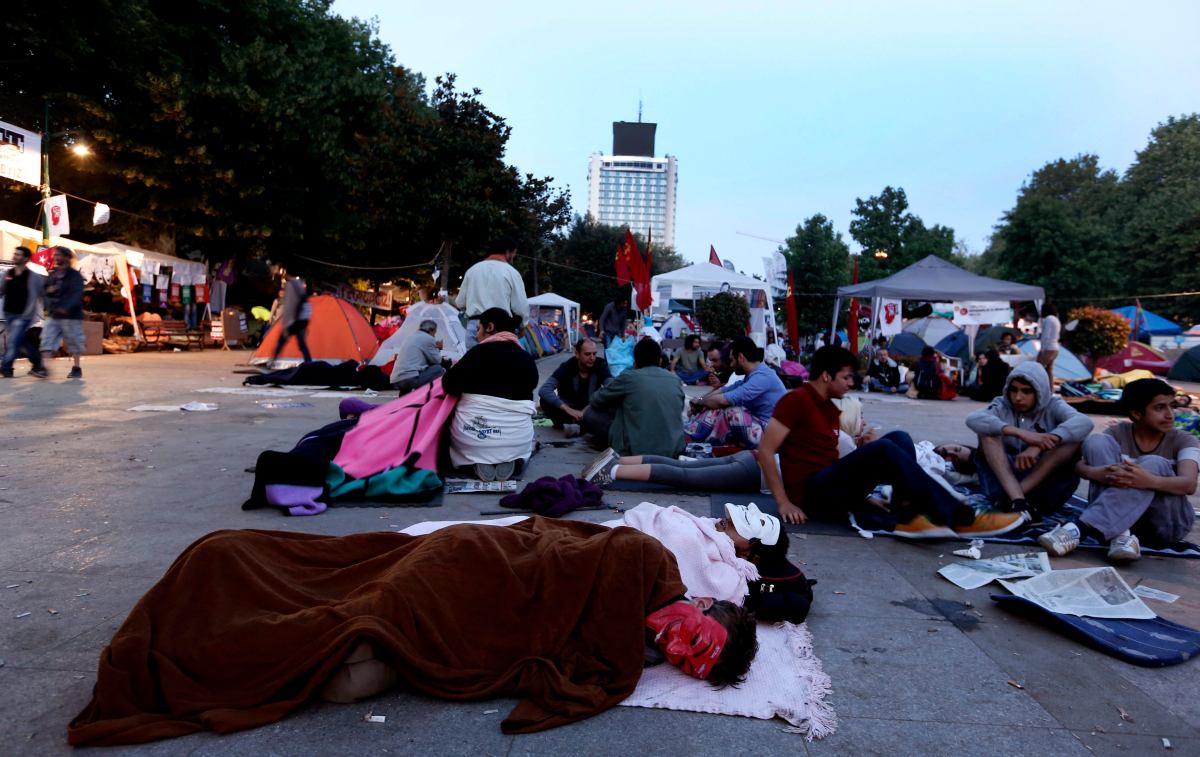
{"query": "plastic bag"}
(619, 355)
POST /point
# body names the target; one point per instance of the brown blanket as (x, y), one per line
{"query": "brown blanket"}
(247, 625)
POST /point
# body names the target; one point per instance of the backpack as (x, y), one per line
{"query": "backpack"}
(927, 382)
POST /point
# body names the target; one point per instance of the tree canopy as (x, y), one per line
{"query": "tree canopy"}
(820, 263)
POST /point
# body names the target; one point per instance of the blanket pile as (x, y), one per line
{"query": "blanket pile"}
(246, 626)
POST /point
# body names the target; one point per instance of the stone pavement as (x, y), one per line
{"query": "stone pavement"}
(96, 501)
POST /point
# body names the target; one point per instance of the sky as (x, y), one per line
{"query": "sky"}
(780, 110)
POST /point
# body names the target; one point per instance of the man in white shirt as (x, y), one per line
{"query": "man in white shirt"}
(493, 283)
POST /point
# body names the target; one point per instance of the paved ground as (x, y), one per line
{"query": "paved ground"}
(96, 501)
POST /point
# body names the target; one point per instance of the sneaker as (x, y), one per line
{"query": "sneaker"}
(76, 372)
(504, 471)
(605, 476)
(990, 523)
(571, 430)
(1061, 541)
(600, 463)
(1124, 548)
(40, 373)
(921, 527)
(485, 471)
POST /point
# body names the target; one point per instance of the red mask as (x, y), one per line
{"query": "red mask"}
(691, 640)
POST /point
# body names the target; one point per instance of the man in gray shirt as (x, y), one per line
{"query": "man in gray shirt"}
(420, 361)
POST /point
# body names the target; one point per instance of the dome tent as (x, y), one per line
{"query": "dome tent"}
(932, 329)
(449, 330)
(1187, 367)
(336, 332)
(1066, 366)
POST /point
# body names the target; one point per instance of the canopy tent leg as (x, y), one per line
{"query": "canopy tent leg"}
(837, 306)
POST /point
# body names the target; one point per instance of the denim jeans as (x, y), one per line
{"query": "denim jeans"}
(18, 329)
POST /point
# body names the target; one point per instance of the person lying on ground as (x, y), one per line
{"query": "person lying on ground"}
(811, 480)
(566, 394)
(1028, 442)
(737, 415)
(1141, 473)
(646, 403)
(928, 378)
(782, 591)
(689, 363)
(962, 469)
(991, 373)
(492, 426)
(558, 614)
(421, 360)
(883, 374)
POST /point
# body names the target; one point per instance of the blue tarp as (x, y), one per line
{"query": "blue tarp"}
(1151, 323)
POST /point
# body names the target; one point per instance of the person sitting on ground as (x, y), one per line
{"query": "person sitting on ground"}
(991, 373)
(1141, 473)
(566, 394)
(930, 381)
(810, 478)
(492, 426)
(883, 374)
(689, 363)
(421, 360)
(737, 415)
(1028, 443)
(647, 406)
(1007, 345)
(718, 370)
(873, 348)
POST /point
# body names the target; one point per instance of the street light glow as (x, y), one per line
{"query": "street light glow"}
(81, 150)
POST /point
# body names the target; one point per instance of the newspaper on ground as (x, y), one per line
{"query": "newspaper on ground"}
(1086, 592)
(1148, 592)
(975, 573)
(471, 486)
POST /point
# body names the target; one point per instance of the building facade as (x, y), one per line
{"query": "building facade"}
(635, 190)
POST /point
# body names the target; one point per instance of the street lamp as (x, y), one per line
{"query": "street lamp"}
(81, 150)
(881, 254)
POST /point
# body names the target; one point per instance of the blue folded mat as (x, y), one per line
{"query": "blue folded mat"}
(1152, 643)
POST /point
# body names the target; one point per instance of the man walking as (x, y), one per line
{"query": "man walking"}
(493, 283)
(21, 289)
(64, 310)
(295, 314)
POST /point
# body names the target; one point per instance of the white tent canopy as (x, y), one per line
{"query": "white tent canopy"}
(570, 308)
(699, 280)
(449, 331)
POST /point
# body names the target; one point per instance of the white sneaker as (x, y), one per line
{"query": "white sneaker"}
(1124, 548)
(598, 464)
(1062, 540)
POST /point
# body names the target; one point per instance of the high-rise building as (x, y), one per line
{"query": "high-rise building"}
(633, 188)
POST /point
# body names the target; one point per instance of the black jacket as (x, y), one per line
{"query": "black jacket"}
(887, 373)
(564, 387)
(782, 593)
(497, 369)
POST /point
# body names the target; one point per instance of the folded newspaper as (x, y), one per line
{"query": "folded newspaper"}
(1087, 592)
(975, 573)
(470, 485)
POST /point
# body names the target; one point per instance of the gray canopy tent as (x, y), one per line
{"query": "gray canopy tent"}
(935, 280)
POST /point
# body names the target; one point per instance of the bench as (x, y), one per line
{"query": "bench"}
(161, 334)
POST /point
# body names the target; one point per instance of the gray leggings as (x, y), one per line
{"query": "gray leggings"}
(736, 473)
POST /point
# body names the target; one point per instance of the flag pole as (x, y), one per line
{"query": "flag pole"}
(46, 178)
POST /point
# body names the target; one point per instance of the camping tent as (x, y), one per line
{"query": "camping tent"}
(1187, 367)
(932, 329)
(906, 345)
(1150, 323)
(336, 332)
(1066, 366)
(989, 338)
(449, 330)
(700, 280)
(956, 344)
(935, 280)
(1136, 356)
(552, 301)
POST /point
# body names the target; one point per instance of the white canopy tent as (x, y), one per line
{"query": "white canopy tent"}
(569, 308)
(700, 280)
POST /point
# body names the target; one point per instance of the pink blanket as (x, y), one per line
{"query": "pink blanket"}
(388, 435)
(708, 564)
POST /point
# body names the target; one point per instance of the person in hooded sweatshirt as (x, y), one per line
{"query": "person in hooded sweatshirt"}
(1029, 441)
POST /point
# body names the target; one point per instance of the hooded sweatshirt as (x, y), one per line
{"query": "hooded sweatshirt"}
(1050, 413)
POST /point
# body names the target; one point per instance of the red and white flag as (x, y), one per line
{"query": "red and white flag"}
(56, 211)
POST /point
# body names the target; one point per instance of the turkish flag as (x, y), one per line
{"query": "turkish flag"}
(712, 256)
(43, 257)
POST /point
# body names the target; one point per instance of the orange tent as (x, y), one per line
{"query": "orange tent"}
(337, 332)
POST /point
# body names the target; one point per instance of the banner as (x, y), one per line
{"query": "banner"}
(60, 222)
(972, 313)
(365, 299)
(20, 155)
(891, 321)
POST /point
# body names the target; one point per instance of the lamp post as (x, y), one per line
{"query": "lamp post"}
(80, 150)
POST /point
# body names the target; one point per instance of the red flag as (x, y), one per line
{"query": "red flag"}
(645, 297)
(712, 256)
(793, 321)
(852, 326)
(622, 265)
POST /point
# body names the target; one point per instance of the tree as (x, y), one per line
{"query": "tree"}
(1062, 233)
(1098, 333)
(819, 262)
(725, 314)
(892, 238)
(1161, 234)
